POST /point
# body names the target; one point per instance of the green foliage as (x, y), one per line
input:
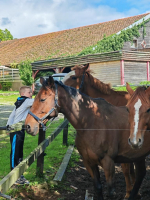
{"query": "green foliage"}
(6, 85)
(115, 42)
(25, 72)
(5, 35)
(145, 83)
(14, 65)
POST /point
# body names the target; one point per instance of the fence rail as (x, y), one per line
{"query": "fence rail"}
(8, 74)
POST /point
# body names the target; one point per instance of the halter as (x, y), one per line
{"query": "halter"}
(82, 81)
(41, 120)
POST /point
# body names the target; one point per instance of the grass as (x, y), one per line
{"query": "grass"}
(1, 91)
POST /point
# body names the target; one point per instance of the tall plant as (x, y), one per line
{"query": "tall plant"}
(25, 72)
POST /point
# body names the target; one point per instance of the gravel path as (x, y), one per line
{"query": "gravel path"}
(5, 111)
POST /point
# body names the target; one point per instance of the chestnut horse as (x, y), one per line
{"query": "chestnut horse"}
(102, 130)
(139, 114)
(81, 78)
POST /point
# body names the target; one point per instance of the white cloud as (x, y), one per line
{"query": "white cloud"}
(34, 17)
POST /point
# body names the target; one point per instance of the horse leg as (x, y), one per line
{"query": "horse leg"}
(128, 170)
(140, 173)
(94, 172)
(109, 170)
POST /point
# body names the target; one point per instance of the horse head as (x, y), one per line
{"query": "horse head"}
(45, 106)
(76, 77)
(138, 107)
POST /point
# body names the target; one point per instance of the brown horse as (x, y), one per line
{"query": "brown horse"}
(139, 114)
(81, 78)
(102, 130)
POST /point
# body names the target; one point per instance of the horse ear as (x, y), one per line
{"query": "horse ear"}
(129, 89)
(85, 67)
(148, 91)
(42, 80)
(51, 81)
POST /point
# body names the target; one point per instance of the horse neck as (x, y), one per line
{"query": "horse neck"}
(116, 98)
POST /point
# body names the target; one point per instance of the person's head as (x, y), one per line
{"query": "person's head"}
(26, 91)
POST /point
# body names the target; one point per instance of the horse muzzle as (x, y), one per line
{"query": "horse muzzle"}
(32, 131)
(135, 143)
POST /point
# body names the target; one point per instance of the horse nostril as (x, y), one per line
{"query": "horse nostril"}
(28, 128)
(140, 140)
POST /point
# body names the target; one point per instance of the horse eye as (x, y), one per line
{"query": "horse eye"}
(74, 78)
(127, 109)
(42, 100)
(148, 110)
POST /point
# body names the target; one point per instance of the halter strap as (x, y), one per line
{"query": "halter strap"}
(82, 81)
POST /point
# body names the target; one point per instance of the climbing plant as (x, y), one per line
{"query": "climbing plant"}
(115, 42)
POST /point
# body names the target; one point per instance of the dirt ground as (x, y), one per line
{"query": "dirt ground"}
(77, 181)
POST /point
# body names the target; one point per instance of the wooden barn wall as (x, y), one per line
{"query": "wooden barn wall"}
(135, 72)
(107, 72)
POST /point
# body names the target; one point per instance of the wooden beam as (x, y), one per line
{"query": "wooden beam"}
(88, 196)
(63, 166)
(10, 179)
(122, 71)
(40, 159)
(148, 79)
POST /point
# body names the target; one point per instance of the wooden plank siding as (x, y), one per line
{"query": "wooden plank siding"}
(135, 72)
(92, 58)
(107, 72)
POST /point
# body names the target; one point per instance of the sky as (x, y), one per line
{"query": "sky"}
(25, 18)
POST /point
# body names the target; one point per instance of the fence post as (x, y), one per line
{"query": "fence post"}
(40, 159)
(65, 134)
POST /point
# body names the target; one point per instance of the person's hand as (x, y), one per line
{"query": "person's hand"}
(8, 128)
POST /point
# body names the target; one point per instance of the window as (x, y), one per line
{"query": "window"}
(134, 44)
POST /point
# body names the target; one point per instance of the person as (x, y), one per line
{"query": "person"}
(16, 122)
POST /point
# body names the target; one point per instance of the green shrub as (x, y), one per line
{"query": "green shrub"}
(6, 85)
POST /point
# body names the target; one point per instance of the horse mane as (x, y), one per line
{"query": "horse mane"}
(97, 84)
(140, 92)
(105, 88)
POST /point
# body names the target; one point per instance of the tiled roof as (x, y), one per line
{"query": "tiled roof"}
(61, 43)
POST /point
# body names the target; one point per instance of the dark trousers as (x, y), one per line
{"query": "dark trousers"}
(17, 141)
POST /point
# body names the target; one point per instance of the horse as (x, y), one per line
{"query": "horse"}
(102, 130)
(80, 78)
(139, 114)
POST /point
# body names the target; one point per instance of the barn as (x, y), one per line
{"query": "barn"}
(59, 51)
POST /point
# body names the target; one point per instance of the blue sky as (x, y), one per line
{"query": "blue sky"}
(25, 18)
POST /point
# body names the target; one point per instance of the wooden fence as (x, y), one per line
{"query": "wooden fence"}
(9, 74)
(37, 153)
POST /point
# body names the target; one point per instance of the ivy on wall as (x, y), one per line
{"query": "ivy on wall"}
(115, 42)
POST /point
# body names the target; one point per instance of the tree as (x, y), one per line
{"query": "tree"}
(25, 72)
(5, 35)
